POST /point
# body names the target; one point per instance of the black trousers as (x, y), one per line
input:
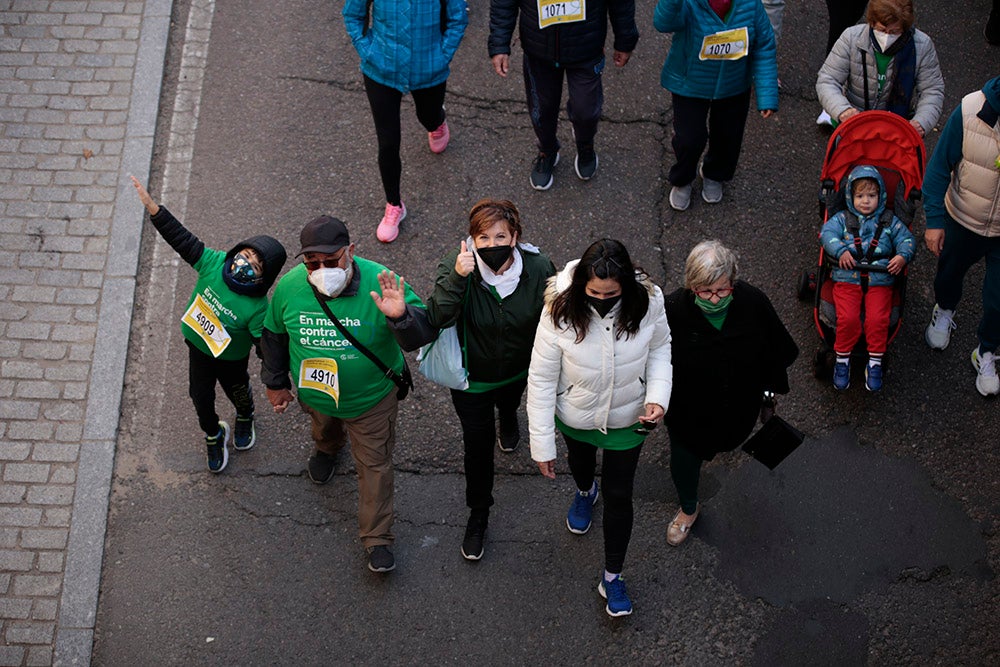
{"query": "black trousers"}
(479, 435)
(543, 88)
(726, 120)
(843, 14)
(685, 469)
(385, 104)
(203, 372)
(617, 478)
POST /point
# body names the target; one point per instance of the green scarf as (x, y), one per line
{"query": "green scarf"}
(715, 313)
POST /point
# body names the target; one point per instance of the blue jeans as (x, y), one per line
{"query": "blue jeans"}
(962, 249)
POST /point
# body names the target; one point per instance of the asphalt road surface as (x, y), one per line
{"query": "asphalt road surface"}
(876, 542)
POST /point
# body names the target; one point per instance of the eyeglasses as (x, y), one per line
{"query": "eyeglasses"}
(645, 428)
(332, 263)
(707, 294)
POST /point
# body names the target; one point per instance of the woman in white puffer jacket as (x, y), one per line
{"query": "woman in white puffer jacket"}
(600, 372)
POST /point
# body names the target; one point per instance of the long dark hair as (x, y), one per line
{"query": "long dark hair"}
(604, 259)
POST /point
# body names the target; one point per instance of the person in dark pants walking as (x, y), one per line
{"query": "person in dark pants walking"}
(962, 202)
(729, 347)
(843, 14)
(600, 374)
(491, 290)
(568, 41)
(224, 318)
(407, 49)
(719, 49)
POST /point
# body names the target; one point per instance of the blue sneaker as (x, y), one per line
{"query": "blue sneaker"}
(580, 512)
(614, 592)
(873, 377)
(841, 375)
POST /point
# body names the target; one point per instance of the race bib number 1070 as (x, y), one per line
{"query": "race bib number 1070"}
(726, 45)
(551, 12)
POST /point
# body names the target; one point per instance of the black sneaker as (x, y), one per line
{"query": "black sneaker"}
(245, 435)
(320, 467)
(586, 162)
(380, 559)
(218, 455)
(475, 535)
(541, 170)
(509, 433)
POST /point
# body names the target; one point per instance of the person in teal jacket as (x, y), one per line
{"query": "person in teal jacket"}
(719, 49)
(223, 319)
(407, 48)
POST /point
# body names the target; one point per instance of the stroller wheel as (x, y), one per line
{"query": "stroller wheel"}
(807, 283)
(823, 361)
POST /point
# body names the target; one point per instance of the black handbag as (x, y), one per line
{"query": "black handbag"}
(773, 441)
(403, 381)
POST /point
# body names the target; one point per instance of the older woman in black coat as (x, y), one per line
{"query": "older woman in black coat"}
(729, 347)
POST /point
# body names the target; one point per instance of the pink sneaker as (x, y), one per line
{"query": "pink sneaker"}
(438, 139)
(388, 228)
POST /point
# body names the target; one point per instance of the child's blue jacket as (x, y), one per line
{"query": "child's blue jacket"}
(895, 239)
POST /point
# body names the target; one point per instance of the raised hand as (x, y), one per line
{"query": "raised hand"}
(392, 301)
(144, 197)
(465, 263)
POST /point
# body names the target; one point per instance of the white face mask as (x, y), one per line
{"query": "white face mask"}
(330, 282)
(884, 39)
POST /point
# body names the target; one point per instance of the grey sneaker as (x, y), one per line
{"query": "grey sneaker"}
(987, 382)
(541, 170)
(938, 332)
(680, 197)
(586, 163)
(711, 191)
(380, 559)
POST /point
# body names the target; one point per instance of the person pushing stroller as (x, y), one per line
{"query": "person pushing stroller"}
(865, 234)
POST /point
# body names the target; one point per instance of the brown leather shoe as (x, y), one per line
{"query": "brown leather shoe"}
(679, 528)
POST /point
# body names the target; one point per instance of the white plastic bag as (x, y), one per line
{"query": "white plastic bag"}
(441, 361)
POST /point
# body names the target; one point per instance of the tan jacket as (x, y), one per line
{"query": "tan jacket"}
(973, 198)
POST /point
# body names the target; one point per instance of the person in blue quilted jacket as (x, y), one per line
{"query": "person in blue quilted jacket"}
(719, 49)
(407, 49)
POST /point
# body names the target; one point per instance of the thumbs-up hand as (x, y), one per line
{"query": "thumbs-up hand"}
(465, 263)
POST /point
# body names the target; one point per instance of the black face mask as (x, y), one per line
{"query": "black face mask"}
(496, 256)
(603, 306)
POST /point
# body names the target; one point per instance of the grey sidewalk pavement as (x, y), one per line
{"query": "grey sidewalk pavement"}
(79, 93)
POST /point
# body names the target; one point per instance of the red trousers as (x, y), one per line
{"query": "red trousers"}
(847, 299)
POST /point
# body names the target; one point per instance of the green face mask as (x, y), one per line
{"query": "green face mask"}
(710, 308)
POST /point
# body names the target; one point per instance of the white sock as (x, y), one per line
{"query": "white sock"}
(843, 360)
(610, 576)
(593, 489)
(875, 360)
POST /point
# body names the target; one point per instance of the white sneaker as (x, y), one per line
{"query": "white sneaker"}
(680, 197)
(711, 191)
(824, 119)
(938, 332)
(987, 381)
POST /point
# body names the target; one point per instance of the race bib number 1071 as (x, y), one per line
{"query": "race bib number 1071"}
(551, 12)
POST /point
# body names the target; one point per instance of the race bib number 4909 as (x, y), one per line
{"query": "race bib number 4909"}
(320, 374)
(551, 12)
(726, 45)
(203, 321)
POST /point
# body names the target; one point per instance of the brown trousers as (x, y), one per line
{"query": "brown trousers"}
(373, 437)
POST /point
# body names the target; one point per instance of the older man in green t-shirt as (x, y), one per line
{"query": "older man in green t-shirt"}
(333, 368)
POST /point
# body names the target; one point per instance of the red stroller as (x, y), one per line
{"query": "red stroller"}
(889, 143)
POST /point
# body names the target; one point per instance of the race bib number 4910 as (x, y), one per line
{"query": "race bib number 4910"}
(320, 374)
(202, 320)
(551, 12)
(726, 45)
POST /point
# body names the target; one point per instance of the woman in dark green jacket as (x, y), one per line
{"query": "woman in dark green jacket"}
(491, 289)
